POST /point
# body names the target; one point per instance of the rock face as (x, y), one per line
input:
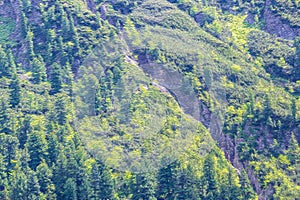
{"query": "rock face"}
(272, 23)
(275, 25)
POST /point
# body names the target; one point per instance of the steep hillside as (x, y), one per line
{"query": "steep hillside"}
(149, 99)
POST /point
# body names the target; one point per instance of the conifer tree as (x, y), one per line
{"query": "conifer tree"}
(167, 179)
(70, 190)
(56, 78)
(246, 190)
(37, 148)
(101, 182)
(9, 149)
(44, 175)
(29, 39)
(3, 180)
(53, 147)
(24, 24)
(5, 116)
(60, 174)
(38, 70)
(4, 64)
(209, 183)
(15, 91)
(33, 187)
(12, 69)
(19, 185)
(144, 187)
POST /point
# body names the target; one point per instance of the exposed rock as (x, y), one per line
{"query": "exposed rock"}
(275, 25)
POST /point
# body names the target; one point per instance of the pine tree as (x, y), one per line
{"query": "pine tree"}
(5, 116)
(24, 131)
(186, 185)
(144, 187)
(9, 149)
(229, 188)
(3, 179)
(38, 70)
(68, 79)
(53, 147)
(60, 174)
(29, 39)
(208, 181)
(37, 148)
(61, 108)
(246, 190)
(19, 185)
(12, 69)
(15, 91)
(44, 175)
(4, 64)
(297, 45)
(33, 187)
(101, 182)
(70, 190)
(82, 178)
(56, 79)
(24, 24)
(294, 109)
(293, 151)
(167, 178)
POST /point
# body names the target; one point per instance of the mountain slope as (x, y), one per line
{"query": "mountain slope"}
(149, 100)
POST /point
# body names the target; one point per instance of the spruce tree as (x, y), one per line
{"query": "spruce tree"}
(44, 175)
(246, 190)
(19, 185)
(38, 70)
(37, 148)
(167, 179)
(60, 174)
(33, 187)
(70, 190)
(5, 116)
(209, 182)
(4, 64)
(101, 182)
(56, 79)
(3, 179)
(15, 91)
(144, 188)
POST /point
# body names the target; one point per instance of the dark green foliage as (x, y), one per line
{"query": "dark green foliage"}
(70, 190)
(15, 91)
(209, 184)
(144, 187)
(101, 182)
(56, 78)
(24, 131)
(167, 181)
(246, 188)
(44, 175)
(37, 148)
(38, 70)
(4, 64)
(33, 189)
